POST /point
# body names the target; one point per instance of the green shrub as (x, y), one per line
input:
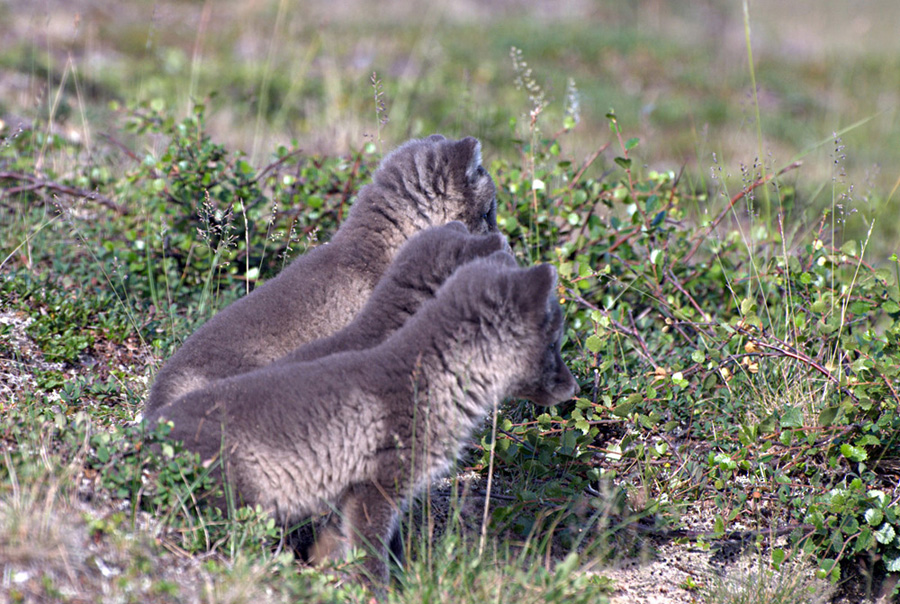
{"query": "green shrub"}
(723, 361)
(715, 367)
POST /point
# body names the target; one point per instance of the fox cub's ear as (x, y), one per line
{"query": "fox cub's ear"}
(534, 287)
(502, 258)
(455, 225)
(467, 155)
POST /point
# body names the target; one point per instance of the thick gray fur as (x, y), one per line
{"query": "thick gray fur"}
(363, 431)
(423, 183)
(420, 268)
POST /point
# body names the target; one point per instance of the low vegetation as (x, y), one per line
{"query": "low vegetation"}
(739, 368)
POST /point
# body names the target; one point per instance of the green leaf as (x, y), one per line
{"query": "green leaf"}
(885, 275)
(837, 541)
(623, 409)
(864, 541)
(850, 248)
(868, 440)
(891, 307)
(631, 143)
(623, 163)
(853, 453)
(778, 557)
(792, 418)
(767, 426)
(719, 525)
(829, 570)
(698, 356)
(874, 516)
(892, 562)
(860, 307)
(819, 306)
(828, 415)
(594, 343)
(786, 438)
(885, 534)
(879, 496)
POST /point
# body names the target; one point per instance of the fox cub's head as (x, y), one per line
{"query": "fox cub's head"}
(546, 380)
(513, 314)
(445, 180)
(431, 256)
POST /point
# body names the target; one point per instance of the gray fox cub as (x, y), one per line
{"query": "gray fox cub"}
(362, 431)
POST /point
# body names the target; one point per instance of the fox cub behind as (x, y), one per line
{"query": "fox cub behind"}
(363, 431)
(423, 183)
(420, 268)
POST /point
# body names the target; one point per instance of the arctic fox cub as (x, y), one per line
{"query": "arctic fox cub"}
(362, 431)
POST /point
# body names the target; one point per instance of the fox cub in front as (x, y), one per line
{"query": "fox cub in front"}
(361, 432)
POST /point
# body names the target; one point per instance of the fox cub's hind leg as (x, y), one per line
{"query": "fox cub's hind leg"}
(327, 543)
(369, 520)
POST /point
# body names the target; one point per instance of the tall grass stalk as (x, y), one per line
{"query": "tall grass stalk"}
(265, 83)
(490, 480)
(767, 204)
(197, 55)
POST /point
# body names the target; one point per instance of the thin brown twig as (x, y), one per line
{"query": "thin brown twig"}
(675, 185)
(685, 293)
(122, 147)
(634, 231)
(617, 327)
(40, 183)
(22, 189)
(587, 163)
(262, 173)
(734, 199)
(637, 335)
(890, 387)
(786, 350)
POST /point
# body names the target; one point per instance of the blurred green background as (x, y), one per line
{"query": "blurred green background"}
(676, 73)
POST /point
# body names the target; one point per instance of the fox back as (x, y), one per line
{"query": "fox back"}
(423, 183)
